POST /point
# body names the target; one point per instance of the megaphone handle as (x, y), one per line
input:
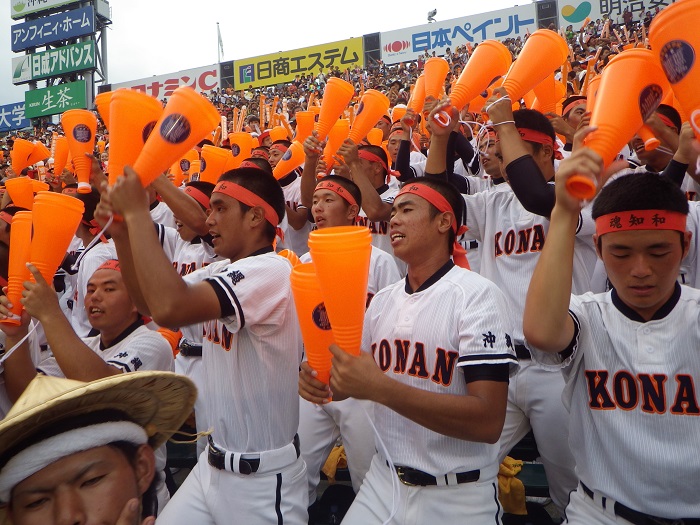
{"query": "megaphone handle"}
(581, 187)
(442, 119)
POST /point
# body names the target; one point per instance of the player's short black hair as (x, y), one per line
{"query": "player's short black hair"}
(205, 187)
(639, 191)
(4, 261)
(671, 114)
(263, 185)
(11, 210)
(375, 150)
(534, 120)
(261, 163)
(90, 201)
(349, 185)
(451, 194)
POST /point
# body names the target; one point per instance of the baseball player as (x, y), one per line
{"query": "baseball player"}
(251, 348)
(336, 202)
(438, 380)
(629, 355)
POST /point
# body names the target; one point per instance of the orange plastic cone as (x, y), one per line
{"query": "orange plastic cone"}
(133, 115)
(102, 102)
(397, 113)
(60, 156)
(305, 124)
(336, 97)
(631, 88)
(183, 164)
(546, 95)
(375, 136)
(101, 144)
(647, 135)
(213, 163)
(372, 106)
(435, 71)
(291, 160)
(241, 146)
(40, 152)
(21, 191)
(290, 256)
(38, 186)
(418, 96)
(278, 133)
(336, 251)
(592, 92)
(187, 119)
(55, 219)
(19, 156)
(17, 272)
(313, 319)
(80, 126)
(676, 43)
(542, 53)
(339, 132)
(195, 168)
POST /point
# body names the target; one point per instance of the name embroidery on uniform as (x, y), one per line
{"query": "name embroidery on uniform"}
(236, 277)
(380, 227)
(211, 333)
(400, 355)
(524, 241)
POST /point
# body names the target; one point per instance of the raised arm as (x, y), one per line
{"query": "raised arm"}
(184, 207)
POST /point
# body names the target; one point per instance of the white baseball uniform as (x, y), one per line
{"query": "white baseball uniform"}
(251, 359)
(320, 426)
(511, 240)
(435, 338)
(162, 214)
(295, 240)
(634, 408)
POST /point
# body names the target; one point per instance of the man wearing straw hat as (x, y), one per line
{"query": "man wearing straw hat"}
(251, 348)
(74, 452)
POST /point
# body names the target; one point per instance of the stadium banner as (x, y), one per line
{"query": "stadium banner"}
(54, 28)
(408, 44)
(202, 79)
(22, 8)
(54, 62)
(282, 67)
(575, 12)
(55, 99)
(12, 117)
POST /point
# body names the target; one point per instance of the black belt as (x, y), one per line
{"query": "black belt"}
(639, 518)
(522, 352)
(417, 478)
(190, 350)
(217, 458)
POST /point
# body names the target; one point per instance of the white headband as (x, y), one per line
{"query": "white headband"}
(40, 455)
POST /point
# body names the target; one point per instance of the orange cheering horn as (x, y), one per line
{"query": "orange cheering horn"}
(102, 102)
(336, 97)
(17, 273)
(372, 106)
(80, 126)
(19, 156)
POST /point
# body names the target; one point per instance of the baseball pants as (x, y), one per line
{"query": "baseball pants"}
(582, 510)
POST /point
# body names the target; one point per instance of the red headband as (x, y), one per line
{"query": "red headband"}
(248, 198)
(279, 147)
(260, 153)
(249, 164)
(531, 135)
(640, 220)
(198, 195)
(436, 199)
(111, 264)
(667, 121)
(6, 217)
(336, 188)
(368, 155)
(574, 104)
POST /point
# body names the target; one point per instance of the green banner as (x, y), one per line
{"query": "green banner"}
(55, 99)
(54, 62)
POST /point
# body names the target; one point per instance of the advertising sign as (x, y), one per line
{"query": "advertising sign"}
(407, 44)
(282, 67)
(202, 79)
(54, 28)
(12, 117)
(22, 8)
(575, 12)
(54, 63)
(55, 99)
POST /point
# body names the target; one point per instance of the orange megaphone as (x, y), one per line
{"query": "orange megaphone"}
(187, 119)
(241, 147)
(546, 94)
(542, 53)
(490, 61)
(21, 191)
(676, 43)
(40, 152)
(397, 113)
(631, 88)
(101, 144)
(278, 133)
(375, 136)
(418, 96)
(291, 160)
(343, 251)
(177, 174)
(38, 186)
(195, 168)
(313, 319)
(80, 126)
(336, 97)
(17, 271)
(60, 155)
(305, 124)
(55, 219)
(372, 106)
(133, 115)
(102, 102)
(435, 71)
(647, 135)
(182, 166)
(290, 256)
(339, 132)
(19, 156)
(592, 92)
(213, 163)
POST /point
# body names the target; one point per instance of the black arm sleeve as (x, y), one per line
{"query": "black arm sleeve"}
(463, 148)
(675, 171)
(457, 181)
(529, 186)
(403, 161)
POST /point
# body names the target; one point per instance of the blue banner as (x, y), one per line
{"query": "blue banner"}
(12, 117)
(54, 28)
